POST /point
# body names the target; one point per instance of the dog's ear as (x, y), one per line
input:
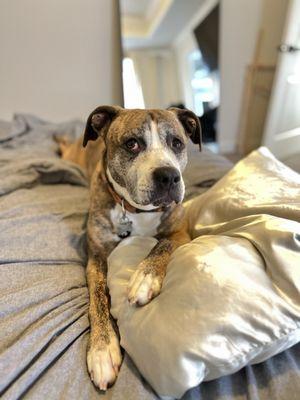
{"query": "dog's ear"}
(190, 123)
(99, 121)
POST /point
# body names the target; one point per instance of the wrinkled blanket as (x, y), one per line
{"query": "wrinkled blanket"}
(44, 324)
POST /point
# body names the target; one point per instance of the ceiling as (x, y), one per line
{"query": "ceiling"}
(135, 7)
(155, 23)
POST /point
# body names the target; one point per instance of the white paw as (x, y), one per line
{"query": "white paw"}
(104, 363)
(142, 287)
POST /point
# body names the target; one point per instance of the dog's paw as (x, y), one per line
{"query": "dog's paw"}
(104, 362)
(142, 287)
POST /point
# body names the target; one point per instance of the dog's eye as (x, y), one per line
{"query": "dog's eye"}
(132, 145)
(177, 144)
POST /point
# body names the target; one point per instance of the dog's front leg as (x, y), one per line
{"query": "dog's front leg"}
(146, 281)
(104, 355)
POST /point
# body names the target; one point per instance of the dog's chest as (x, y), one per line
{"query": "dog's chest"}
(143, 224)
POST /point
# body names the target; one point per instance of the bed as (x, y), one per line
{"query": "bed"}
(44, 300)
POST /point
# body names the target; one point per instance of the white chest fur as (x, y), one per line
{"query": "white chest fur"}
(143, 224)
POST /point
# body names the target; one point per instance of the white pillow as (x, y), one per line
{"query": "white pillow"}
(231, 296)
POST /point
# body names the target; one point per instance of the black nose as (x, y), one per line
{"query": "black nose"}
(166, 177)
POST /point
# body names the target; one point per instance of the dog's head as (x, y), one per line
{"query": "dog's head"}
(145, 151)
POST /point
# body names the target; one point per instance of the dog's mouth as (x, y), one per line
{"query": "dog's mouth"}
(152, 197)
(158, 198)
(164, 202)
(166, 199)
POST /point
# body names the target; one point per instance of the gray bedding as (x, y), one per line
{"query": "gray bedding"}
(43, 296)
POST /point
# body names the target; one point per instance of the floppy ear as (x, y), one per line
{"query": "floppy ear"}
(98, 122)
(190, 123)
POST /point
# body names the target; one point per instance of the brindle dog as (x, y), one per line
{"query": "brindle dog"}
(137, 161)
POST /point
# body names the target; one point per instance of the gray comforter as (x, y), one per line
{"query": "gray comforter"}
(43, 296)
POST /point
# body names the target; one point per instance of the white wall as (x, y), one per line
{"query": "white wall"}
(169, 90)
(240, 23)
(182, 48)
(59, 58)
(157, 74)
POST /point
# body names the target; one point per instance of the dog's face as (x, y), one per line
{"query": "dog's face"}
(145, 151)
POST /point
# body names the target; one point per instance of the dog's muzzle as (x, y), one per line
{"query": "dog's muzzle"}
(167, 182)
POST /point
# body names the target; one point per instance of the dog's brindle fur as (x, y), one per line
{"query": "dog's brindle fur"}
(131, 176)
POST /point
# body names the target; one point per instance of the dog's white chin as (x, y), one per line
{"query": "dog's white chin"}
(123, 193)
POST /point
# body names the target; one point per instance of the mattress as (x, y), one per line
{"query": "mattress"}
(43, 294)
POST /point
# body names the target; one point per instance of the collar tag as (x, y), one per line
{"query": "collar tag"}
(124, 227)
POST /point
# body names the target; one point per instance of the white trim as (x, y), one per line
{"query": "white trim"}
(144, 27)
(159, 15)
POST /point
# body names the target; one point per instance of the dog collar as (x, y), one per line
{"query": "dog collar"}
(125, 204)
